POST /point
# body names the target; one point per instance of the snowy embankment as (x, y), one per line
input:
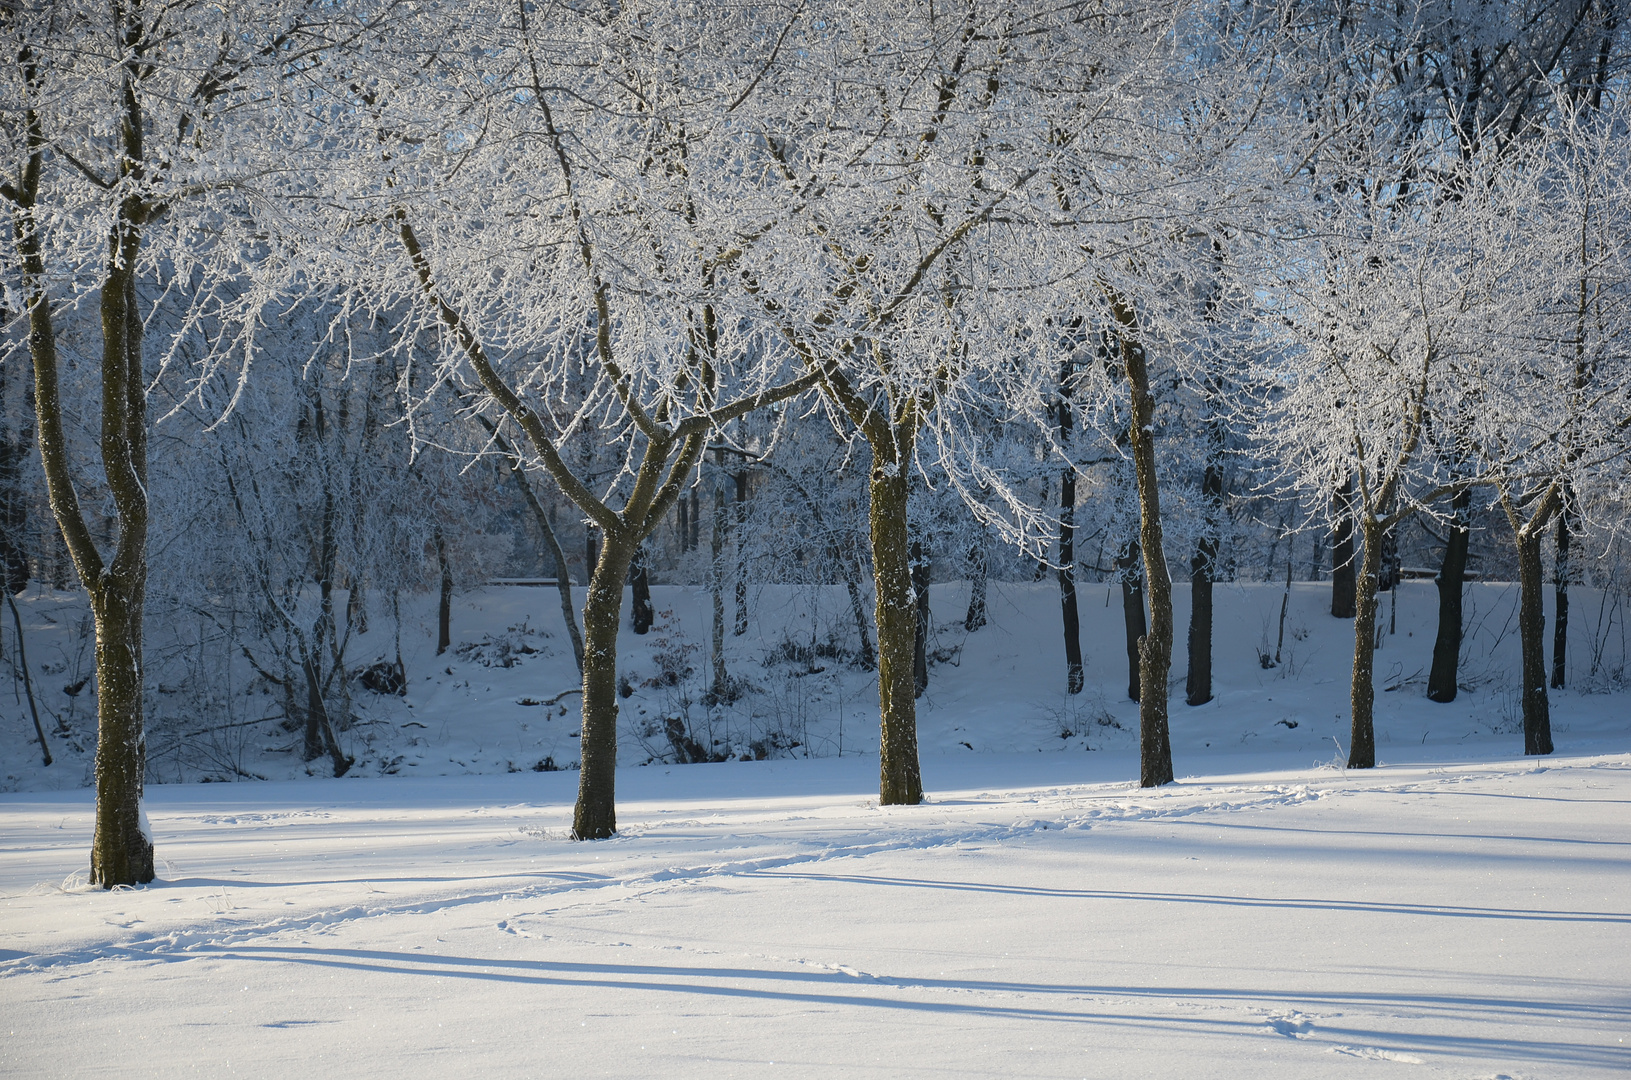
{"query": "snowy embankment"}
(504, 699)
(1459, 912)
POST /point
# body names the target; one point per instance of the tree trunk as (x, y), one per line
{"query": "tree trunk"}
(716, 590)
(1537, 716)
(1203, 566)
(1198, 682)
(641, 614)
(1560, 591)
(1155, 646)
(595, 816)
(900, 778)
(979, 564)
(739, 623)
(1132, 609)
(444, 606)
(14, 451)
(1342, 553)
(1362, 694)
(1442, 679)
(920, 636)
(121, 848)
(1074, 678)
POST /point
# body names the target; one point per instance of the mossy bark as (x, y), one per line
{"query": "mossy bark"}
(895, 616)
(1155, 646)
(595, 816)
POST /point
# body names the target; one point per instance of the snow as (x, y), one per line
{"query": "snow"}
(1458, 912)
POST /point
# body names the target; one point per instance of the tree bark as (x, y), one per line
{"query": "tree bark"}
(1342, 553)
(895, 615)
(1442, 679)
(1537, 712)
(595, 816)
(1155, 646)
(1560, 590)
(1132, 610)
(1362, 693)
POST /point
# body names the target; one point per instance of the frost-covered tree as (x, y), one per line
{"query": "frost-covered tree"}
(131, 135)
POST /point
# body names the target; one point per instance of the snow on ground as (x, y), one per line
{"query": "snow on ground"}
(1459, 912)
(1037, 917)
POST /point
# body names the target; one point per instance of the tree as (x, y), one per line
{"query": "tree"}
(564, 205)
(124, 164)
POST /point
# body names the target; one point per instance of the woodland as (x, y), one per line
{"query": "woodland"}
(314, 312)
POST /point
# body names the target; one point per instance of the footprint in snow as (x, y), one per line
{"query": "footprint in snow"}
(1292, 1025)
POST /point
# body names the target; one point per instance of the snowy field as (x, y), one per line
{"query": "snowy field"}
(1459, 912)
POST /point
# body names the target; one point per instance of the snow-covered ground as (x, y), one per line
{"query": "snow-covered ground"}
(1459, 912)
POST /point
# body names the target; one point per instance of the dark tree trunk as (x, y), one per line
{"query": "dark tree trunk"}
(1452, 575)
(1198, 683)
(979, 577)
(682, 523)
(444, 606)
(1074, 678)
(920, 637)
(1067, 540)
(900, 776)
(1132, 609)
(1342, 553)
(14, 449)
(641, 614)
(1388, 573)
(1537, 713)
(1560, 591)
(1362, 736)
(595, 815)
(1155, 646)
(739, 625)
(721, 689)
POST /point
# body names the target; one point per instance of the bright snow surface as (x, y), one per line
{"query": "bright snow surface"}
(1459, 912)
